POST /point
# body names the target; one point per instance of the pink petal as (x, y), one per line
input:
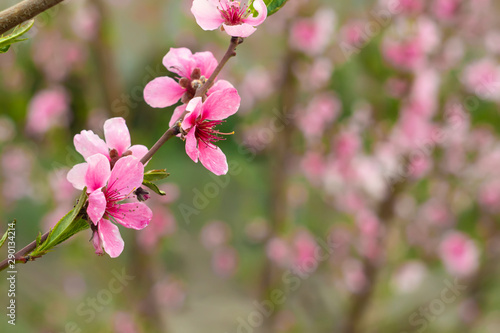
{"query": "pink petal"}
(261, 9)
(220, 85)
(179, 61)
(162, 92)
(213, 159)
(177, 114)
(111, 239)
(194, 106)
(206, 62)
(126, 176)
(241, 30)
(221, 104)
(97, 205)
(206, 14)
(87, 143)
(76, 175)
(117, 134)
(135, 215)
(191, 144)
(138, 151)
(98, 172)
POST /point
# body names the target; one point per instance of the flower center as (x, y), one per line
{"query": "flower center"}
(206, 133)
(191, 84)
(233, 12)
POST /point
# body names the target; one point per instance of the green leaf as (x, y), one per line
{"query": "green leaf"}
(11, 226)
(13, 37)
(154, 175)
(69, 225)
(274, 5)
(153, 187)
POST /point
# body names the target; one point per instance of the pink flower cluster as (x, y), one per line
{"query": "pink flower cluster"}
(111, 174)
(199, 115)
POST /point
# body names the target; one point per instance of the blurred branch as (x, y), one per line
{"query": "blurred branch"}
(231, 52)
(361, 300)
(23, 11)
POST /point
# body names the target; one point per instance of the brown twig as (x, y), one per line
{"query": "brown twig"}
(20, 255)
(23, 11)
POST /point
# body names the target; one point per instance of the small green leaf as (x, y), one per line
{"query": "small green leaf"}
(69, 225)
(13, 37)
(274, 5)
(153, 187)
(154, 175)
(39, 238)
(11, 226)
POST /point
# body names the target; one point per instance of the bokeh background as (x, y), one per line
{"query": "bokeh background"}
(364, 186)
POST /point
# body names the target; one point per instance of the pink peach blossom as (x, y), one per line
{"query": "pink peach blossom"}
(482, 78)
(235, 17)
(193, 71)
(106, 189)
(225, 262)
(312, 35)
(200, 123)
(48, 108)
(459, 254)
(117, 142)
(215, 234)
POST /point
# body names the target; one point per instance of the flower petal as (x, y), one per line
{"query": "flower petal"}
(135, 215)
(177, 114)
(111, 239)
(97, 205)
(261, 9)
(191, 143)
(117, 134)
(126, 176)
(221, 104)
(87, 144)
(194, 106)
(162, 92)
(219, 85)
(76, 175)
(97, 173)
(207, 14)
(241, 30)
(179, 61)
(213, 159)
(206, 62)
(138, 151)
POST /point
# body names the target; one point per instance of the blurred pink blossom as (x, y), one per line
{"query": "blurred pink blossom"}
(312, 35)
(278, 251)
(215, 234)
(48, 108)
(225, 262)
(354, 277)
(304, 249)
(163, 224)
(459, 254)
(170, 293)
(489, 195)
(85, 24)
(409, 276)
(446, 9)
(124, 322)
(322, 110)
(482, 78)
